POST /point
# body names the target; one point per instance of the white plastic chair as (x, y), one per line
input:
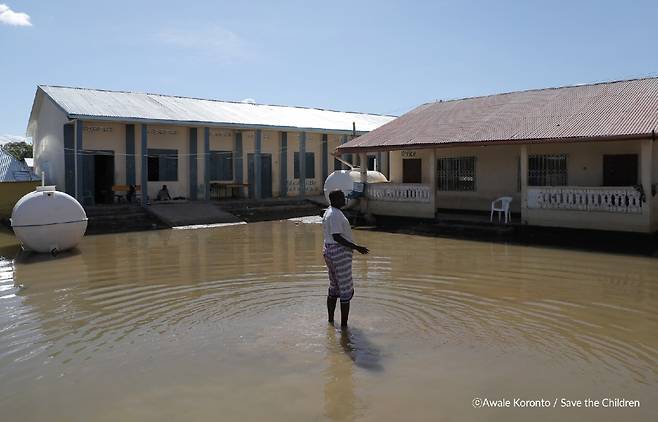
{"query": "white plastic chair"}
(504, 202)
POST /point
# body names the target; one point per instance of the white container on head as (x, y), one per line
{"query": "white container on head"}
(344, 180)
(48, 221)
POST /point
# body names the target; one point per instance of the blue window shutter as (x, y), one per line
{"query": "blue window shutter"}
(167, 167)
(169, 162)
(296, 166)
(227, 167)
(213, 162)
(221, 165)
(310, 165)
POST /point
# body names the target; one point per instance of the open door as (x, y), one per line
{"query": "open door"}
(620, 170)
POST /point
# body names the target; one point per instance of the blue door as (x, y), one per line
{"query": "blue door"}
(265, 175)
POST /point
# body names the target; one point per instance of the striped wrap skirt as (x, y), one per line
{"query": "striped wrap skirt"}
(339, 264)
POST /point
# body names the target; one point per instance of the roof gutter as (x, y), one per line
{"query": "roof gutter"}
(381, 148)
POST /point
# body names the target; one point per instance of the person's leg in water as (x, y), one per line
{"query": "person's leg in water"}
(344, 314)
(331, 308)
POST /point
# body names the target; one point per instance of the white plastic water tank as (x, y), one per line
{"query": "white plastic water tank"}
(48, 221)
(344, 180)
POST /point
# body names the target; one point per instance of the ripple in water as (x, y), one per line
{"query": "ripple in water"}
(244, 295)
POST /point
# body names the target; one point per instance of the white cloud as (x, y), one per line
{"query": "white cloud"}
(9, 17)
(218, 43)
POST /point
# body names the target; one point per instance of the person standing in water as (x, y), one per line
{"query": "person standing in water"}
(337, 253)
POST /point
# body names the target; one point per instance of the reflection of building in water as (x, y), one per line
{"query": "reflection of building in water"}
(154, 280)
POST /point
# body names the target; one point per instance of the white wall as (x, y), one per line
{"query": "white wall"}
(108, 136)
(49, 143)
(171, 137)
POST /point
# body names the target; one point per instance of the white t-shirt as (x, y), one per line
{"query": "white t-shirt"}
(334, 221)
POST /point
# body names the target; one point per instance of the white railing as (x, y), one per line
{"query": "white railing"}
(607, 199)
(399, 192)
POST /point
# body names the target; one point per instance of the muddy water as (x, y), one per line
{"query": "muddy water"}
(229, 324)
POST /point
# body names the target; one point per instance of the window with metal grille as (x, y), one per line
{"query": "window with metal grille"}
(310, 165)
(221, 165)
(162, 165)
(456, 174)
(547, 170)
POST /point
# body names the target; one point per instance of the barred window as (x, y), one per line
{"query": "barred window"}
(162, 165)
(456, 174)
(547, 170)
(221, 165)
(310, 165)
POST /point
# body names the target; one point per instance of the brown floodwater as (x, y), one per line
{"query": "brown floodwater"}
(229, 324)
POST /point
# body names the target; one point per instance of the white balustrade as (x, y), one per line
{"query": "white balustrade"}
(399, 192)
(607, 199)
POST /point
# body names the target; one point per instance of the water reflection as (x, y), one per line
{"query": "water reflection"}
(340, 402)
(122, 302)
(363, 353)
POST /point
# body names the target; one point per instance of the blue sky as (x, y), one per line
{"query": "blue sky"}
(379, 56)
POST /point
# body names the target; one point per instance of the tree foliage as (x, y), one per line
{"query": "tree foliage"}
(20, 150)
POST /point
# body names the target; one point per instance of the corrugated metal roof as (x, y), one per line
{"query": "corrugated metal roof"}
(611, 109)
(12, 170)
(131, 106)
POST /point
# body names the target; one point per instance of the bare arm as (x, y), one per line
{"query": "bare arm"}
(342, 241)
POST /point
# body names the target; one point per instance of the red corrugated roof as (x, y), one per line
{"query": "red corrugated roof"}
(585, 112)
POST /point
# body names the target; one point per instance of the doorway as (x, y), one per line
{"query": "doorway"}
(620, 170)
(98, 177)
(265, 175)
(412, 170)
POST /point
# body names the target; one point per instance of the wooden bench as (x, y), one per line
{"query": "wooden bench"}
(121, 191)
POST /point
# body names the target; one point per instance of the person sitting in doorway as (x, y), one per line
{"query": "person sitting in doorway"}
(131, 193)
(163, 194)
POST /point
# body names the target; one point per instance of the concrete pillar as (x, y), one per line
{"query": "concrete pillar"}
(363, 171)
(524, 184)
(283, 163)
(130, 154)
(363, 158)
(646, 172)
(79, 160)
(433, 177)
(145, 165)
(325, 158)
(194, 162)
(302, 165)
(206, 163)
(258, 182)
(386, 164)
(238, 159)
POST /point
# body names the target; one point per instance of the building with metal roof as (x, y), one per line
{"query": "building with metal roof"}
(135, 107)
(93, 143)
(14, 170)
(577, 156)
(16, 179)
(623, 109)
